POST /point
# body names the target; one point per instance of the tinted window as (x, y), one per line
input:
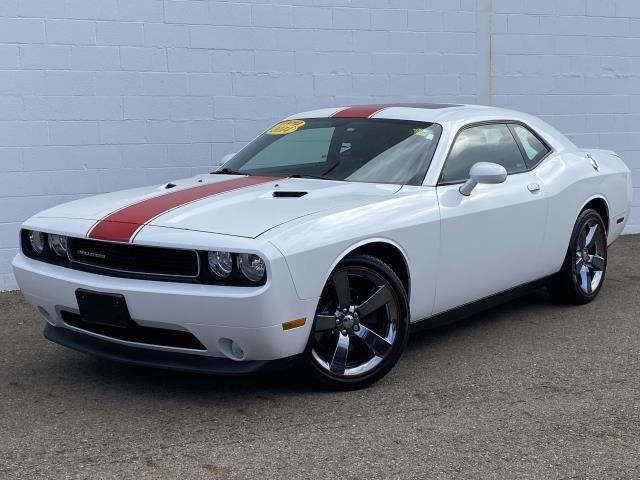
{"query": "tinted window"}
(532, 147)
(351, 149)
(485, 143)
(302, 147)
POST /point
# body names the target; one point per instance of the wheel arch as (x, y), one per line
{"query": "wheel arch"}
(384, 249)
(599, 204)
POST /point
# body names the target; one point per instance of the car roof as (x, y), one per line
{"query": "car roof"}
(427, 112)
(451, 116)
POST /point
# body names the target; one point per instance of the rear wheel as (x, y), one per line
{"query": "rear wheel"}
(361, 324)
(585, 264)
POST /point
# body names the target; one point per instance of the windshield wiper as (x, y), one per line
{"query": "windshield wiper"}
(228, 171)
(304, 175)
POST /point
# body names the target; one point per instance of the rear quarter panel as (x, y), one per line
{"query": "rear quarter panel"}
(570, 183)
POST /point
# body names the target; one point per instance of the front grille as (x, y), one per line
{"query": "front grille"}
(124, 260)
(136, 333)
(134, 259)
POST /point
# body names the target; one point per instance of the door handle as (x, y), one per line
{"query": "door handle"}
(533, 187)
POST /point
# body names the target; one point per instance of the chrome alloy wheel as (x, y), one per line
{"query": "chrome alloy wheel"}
(590, 256)
(356, 324)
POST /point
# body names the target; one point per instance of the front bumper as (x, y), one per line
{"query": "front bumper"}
(161, 359)
(250, 316)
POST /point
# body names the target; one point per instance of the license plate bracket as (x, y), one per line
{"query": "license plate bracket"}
(108, 309)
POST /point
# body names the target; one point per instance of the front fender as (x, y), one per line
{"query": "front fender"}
(313, 246)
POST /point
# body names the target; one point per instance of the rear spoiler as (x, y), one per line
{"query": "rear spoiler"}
(596, 151)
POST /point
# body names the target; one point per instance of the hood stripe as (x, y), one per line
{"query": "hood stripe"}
(124, 224)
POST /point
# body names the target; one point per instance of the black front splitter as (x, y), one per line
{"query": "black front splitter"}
(148, 357)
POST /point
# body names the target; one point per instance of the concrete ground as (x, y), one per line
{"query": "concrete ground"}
(527, 390)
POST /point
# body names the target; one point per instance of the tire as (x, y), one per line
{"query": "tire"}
(582, 274)
(361, 325)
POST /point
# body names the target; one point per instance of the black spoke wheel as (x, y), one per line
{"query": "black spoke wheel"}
(360, 327)
(585, 264)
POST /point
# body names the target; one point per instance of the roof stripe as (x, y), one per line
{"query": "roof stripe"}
(124, 224)
(368, 111)
(360, 111)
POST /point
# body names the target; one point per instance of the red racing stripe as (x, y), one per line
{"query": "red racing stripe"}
(361, 111)
(123, 225)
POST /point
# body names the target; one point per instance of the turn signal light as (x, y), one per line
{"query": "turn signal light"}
(298, 322)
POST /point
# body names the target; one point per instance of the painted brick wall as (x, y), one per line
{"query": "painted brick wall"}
(98, 95)
(577, 65)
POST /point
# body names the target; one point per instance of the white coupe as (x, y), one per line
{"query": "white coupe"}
(326, 240)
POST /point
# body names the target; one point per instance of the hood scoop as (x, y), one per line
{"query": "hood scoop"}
(288, 194)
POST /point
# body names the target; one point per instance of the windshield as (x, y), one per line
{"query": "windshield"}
(350, 149)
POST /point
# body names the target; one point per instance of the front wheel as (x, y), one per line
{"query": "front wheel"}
(361, 324)
(585, 264)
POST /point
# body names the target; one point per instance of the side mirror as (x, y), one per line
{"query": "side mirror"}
(483, 172)
(227, 157)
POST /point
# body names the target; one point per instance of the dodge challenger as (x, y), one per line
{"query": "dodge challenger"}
(326, 240)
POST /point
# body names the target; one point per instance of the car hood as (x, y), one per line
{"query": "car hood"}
(245, 211)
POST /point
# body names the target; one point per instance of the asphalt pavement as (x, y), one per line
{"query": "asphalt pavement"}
(526, 390)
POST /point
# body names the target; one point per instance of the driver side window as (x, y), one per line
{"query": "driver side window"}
(484, 143)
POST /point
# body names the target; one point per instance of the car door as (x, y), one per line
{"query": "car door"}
(489, 239)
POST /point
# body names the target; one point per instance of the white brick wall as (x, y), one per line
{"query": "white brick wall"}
(577, 65)
(98, 95)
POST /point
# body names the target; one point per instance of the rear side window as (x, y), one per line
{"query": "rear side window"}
(532, 147)
(484, 143)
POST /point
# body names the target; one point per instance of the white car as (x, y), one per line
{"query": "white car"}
(326, 240)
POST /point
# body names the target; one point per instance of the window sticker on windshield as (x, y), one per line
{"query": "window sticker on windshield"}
(424, 132)
(288, 126)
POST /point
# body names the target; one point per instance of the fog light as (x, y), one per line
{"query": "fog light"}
(236, 350)
(231, 349)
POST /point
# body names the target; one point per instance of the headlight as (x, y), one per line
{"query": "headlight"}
(58, 244)
(251, 266)
(38, 242)
(220, 263)
(236, 268)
